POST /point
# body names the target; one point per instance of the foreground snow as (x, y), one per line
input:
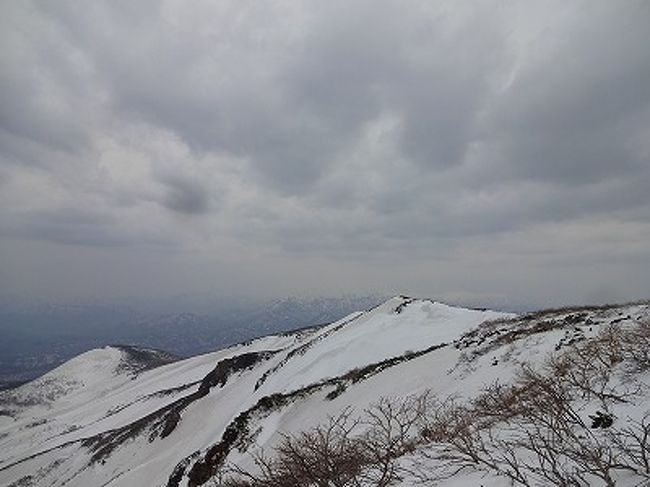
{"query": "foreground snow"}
(93, 421)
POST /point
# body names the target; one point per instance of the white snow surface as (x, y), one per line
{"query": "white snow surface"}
(48, 426)
(371, 337)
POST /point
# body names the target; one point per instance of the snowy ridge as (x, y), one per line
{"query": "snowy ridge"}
(179, 423)
(84, 377)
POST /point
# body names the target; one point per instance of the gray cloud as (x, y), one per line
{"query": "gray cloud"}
(65, 226)
(46, 92)
(576, 104)
(378, 137)
(184, 195)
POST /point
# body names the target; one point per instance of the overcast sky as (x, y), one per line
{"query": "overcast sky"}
(485, 152)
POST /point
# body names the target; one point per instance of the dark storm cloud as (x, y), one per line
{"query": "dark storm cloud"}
(336, 128)
(184, 195)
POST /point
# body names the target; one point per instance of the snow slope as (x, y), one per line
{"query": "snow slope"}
(92, 422)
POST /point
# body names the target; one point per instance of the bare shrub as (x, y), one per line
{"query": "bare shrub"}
(347, 451)
(590, 367)
(634, 443)
(637, 341)
(530, 430)
(312, 458)
(542, 441)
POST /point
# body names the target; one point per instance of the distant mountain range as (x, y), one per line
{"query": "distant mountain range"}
(36, 339)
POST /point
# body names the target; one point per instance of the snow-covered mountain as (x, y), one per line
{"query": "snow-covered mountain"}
(120, 416)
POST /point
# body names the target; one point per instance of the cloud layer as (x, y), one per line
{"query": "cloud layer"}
(495, 153)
